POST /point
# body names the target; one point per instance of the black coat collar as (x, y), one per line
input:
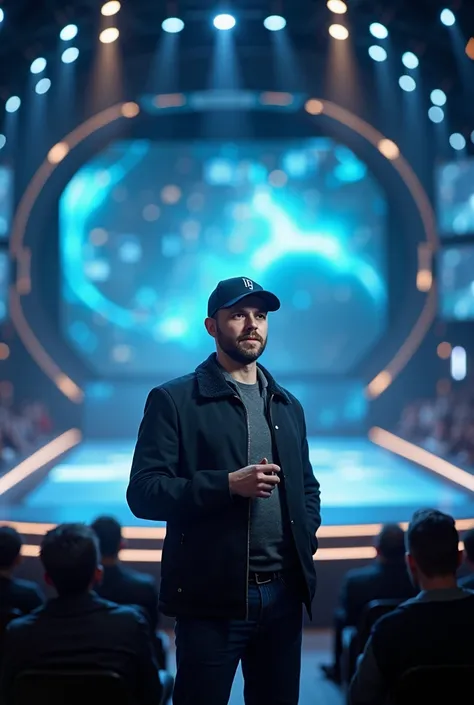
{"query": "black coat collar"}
(211, 383)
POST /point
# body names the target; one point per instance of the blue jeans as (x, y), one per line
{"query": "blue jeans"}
(208, 651)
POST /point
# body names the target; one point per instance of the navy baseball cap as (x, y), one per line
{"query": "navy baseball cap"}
(229, 291)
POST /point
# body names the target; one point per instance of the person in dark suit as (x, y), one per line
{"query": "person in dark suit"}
(77, 628)
(124, 585)
(434, 628)
(120, 584)
(386, 578)
(468, 581)
(15, 594)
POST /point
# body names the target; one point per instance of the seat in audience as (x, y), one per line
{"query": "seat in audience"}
(70, 687)
(434, 685)
(354, 639)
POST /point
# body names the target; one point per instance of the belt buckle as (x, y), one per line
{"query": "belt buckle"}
(264, 581)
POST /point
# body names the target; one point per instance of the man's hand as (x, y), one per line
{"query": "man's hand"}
(255, 480)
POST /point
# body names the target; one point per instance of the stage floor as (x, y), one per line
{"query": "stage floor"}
(360, 483)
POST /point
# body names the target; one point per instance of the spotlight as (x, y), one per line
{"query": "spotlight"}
(69, 55)
(337, 6)
(2, 15)
(377, 53)
(447, 17)
(224, 22)
(12, 104)
(109, 35)
(110, 8)
(68, 32)
(457, 141)
(388, 148)
(407, 83)
(379, 31)
(43, 86)
(338, 31)
(172, 25)
(274, 23)
(469, 49)
(57, 153)
(436, 114)
(458, 363)
(38, 65)
(3, 141)
(410, 60)
(438, 97)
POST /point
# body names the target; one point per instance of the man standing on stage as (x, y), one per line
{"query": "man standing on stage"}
(222, 457)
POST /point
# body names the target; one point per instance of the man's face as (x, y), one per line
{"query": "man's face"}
(241, 331)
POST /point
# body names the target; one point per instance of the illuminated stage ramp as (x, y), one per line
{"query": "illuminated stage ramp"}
(360, 483)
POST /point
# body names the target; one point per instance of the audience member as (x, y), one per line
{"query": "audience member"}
(468, 581)
(124, 585)
(386, 578)
(17, 594)
(431, 629)
(77, 628)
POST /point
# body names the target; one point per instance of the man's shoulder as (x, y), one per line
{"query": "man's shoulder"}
(176, 385)
(127, 617)
(363, 575)
(294, 399)
(467, 582)
(17, 627)
(25, 586)
(142, 580)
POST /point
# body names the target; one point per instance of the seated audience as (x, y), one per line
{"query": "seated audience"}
(431, 629)
(386, 578)
(15, 594)
(21, 428)
(77, 628)
(443, 425)
(124, 585)
(468, 581)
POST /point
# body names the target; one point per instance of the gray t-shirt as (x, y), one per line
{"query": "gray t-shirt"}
(271, 543)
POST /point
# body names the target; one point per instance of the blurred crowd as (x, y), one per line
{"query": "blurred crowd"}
(443, 425)
(21, 428)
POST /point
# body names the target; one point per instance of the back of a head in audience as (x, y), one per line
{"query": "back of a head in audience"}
(390, 544)
(469, 548)
(71, 559)
(433, 556)
(109, 534)
(10, 549)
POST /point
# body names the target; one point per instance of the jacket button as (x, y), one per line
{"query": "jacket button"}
(276, 428)
(292, 522)
(180, 590)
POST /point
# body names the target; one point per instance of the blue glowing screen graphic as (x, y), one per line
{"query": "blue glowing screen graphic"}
(456, 275)
(147, 229)
(6, 200)
(4, 284)
(455, 197)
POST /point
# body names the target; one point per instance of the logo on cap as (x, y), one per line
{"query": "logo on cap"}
(248, 284)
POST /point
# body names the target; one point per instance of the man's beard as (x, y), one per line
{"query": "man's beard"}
(237, 350)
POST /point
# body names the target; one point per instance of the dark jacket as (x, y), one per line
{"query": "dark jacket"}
(433, 629)
(128, 587)
(83, 632)
(19, 594)
(425, 633)
(379, 581)
(194, 432)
